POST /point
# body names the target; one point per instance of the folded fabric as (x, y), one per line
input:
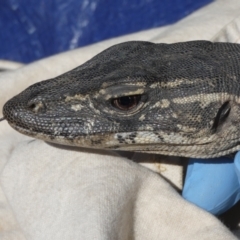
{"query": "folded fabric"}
(55, 192)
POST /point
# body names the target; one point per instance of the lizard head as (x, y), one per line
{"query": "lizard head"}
(174, 99)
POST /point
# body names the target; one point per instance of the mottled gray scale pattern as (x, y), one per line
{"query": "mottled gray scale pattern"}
(188, 101)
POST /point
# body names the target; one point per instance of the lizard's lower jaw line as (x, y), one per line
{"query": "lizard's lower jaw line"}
(111, 145)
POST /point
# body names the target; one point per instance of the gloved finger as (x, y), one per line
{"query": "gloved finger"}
(237, 165)
(212, 184)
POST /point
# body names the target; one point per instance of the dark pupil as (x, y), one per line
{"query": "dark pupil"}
(126, 101)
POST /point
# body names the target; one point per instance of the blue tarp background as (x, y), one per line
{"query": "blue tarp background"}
(30, 30)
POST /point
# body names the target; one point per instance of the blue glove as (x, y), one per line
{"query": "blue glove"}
(213, 184)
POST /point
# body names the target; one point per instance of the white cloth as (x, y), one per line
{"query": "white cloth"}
(49, 192)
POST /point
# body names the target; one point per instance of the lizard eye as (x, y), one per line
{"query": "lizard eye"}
(126, 103)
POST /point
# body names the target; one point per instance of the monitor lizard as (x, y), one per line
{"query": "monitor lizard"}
(180, 99)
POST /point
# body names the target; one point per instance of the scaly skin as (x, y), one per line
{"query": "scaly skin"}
(178, 99)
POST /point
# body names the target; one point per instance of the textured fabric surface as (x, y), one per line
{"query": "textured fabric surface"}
(31, 30)
(48, 192)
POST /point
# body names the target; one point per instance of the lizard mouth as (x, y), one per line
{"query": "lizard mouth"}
(201, 150)
(109, 141)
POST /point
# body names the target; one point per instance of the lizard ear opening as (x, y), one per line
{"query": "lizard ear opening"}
(221, 116)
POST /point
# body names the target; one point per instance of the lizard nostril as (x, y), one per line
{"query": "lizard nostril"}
(36, 107)
(32, 106)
